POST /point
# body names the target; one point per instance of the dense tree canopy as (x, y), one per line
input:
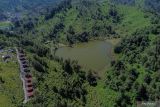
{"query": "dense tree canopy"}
(134, 72)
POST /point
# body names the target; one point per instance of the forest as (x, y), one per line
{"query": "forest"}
(132, 76)
(13, 9)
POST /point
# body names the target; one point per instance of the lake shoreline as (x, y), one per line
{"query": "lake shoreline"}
(113, 41)
(94, 55)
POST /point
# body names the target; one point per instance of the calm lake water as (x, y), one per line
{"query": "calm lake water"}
(95, 55)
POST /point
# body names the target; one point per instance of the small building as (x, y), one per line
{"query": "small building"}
(6, 57)
(21, 55)
(29, 85)
(23, 59)
(24, 62)
(26, 70)
(28, 76)
(30, 94)
(28, 81)
(21, 51)
(30, 90)
(11, 50)
(25, 66)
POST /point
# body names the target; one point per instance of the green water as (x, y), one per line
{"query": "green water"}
(95, 55)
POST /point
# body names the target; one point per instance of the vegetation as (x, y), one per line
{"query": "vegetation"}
(11, 93)
(15, 9)
(133, 75)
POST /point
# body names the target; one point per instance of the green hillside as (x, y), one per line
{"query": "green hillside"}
(133, 74)
(81, 21)
(11, 5)
(16, 9)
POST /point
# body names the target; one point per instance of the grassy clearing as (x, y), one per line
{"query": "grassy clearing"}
(5, 24)
(11, 93)
(101, 96)
(133, 19)
(4, 100)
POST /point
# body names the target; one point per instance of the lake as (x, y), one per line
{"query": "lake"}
(95, 55)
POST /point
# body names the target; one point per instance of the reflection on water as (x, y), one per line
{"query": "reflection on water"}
(92, 55)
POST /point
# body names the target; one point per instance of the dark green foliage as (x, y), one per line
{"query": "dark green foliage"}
(84, 37)
(133, 45)
(153, 5)
(92, 79)
(24, 25)
(64, 5)
(41, 61)
(40, 50)
(123, 101)
(118, 49)
(1, 80)
(147, 78)
(37, 66)
(69, 91)
(142, 93)
(26, 42)
(124, 2)
(113, 13)
(153, 61)
(16, 8)
(58, 28)
(135, 73)
(94, 20)
(67, 67)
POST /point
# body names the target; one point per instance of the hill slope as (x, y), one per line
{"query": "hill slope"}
(150, 5)
(15, 8)
(79, 22)
(12, 5)
(133, 75)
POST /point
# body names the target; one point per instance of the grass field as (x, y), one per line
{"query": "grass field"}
(5, 24)
(11, 93)
(101, 96)
(133, 19)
